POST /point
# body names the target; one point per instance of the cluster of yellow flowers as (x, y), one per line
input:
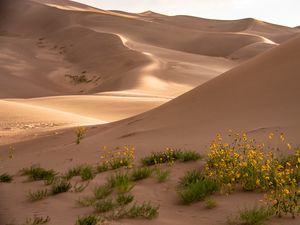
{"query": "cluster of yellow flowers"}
(119, 157)
(252, 166)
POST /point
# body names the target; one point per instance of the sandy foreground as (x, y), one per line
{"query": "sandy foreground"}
(147, 80)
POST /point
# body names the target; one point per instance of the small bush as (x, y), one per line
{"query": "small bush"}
(37, 173)
(88, 220)
(186, 156)
(84, 171)
(37, 220)
(87, 173)
(167, 156)
(80, 133)
(103, 191)
(103, 206)
(141, 173)
(189, 178)
(60, 186)
(121, 182)
(210, 203)
(38, 195)
(199, 190)
(162, 175)
(103, 167)
(86, 201)
(145, 210)
(5, 178)
(124, 199)
(255, 216)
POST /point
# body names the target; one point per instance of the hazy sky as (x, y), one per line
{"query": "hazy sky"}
(286, 12)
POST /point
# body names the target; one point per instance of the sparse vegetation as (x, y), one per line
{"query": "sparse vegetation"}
(84, 171)
(145, 210)
(5, 178)
(162, 175)
(37, 220)
(170, 156)
(60, 186)
(124, 199)
(38, 195)
(88, 220)
(121, 182)
(254, 216)
(37, 173)
(104, 205)
(80, 133)
(193, 188)
(210, 203)
(103, 191)
(103, 167)
(140, 173)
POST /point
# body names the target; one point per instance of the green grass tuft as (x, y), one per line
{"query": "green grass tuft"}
(37, 173)
(103, 191)
(104, 205)
(124, 199)
(88, 220)
(140, 173)
(121, 182)
(189, 178)
(5, 178)
(162, 175)
(60, 186)
(37, 220)
(84, 171)
(255, 215)
(145, 210)
(103, 167)
(38, 195)
(210, 203)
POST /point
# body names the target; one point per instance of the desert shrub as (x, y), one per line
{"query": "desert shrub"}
(121, 182)
(189, 178)
(37, 173)
(140, 173)
(60, 186)
(255, 216)
(210, 203)
(167, 156)
(88, 220)
(6, 178)
(103, 191)
(80, 132)
(196, 190)
(186, 156)
(124, 199)
(120, 157)
(37, 220)
(104, 205)
(162, 175)
(38, 195)
(145, 210)
(84, 171)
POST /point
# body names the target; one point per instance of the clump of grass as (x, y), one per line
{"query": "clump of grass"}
(6, 178)
(121, 182)
(84, 171)
(189, 178)
(60, 186)
(103, 167)
(124, 199)
(80, 187)
(80, 133)
(210, 203)
(86, 201)
(103, 191)
(162, 175)
(37, 220)
(255, 215)
(140, 173)
(170, 156)
(196, 187)
(38, 195)
(88, 220)
(87, 173)
(145, 210)
(104, 205)
(186, 156)
(37, 173)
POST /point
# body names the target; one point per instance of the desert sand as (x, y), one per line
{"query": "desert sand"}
(147, 80)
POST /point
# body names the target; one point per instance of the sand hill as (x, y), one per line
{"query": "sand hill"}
(143, 79)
